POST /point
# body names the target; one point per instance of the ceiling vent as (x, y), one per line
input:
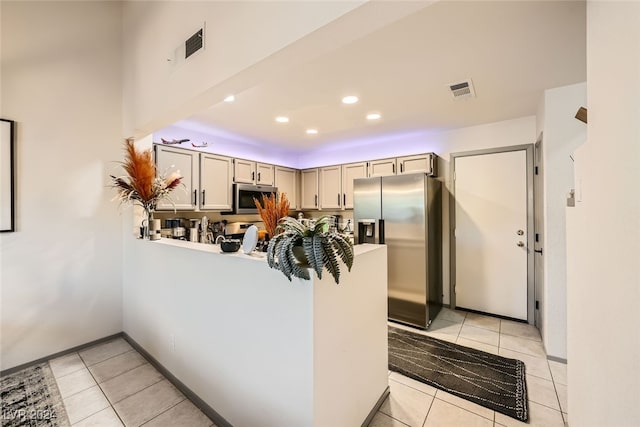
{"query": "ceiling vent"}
(190, 47)
(194, 43)
(463, 89)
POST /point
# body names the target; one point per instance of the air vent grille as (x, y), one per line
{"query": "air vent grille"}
(462, 89)
(193, 43)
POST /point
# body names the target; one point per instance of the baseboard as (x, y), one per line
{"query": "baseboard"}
(557, 359)
(75, 349)
(375, 408)
(201, 404)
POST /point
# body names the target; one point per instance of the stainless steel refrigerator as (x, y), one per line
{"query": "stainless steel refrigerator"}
(404, 212)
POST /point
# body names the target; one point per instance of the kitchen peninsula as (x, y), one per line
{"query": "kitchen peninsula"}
(256, 348)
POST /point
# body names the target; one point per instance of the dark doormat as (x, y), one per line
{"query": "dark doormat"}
(494, 382)
(30, 397)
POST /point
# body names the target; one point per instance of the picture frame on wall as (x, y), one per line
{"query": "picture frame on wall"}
(7, 175)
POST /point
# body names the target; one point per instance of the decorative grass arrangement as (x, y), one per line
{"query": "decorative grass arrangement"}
(275, 208)
(299, 247)
(141, 184)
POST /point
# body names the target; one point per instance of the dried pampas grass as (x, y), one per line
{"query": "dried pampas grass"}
(275, 208)
(141, 184)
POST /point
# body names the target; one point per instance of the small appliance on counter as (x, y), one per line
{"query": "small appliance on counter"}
(176, 227)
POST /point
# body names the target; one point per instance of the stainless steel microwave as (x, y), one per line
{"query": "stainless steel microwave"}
(243, 195)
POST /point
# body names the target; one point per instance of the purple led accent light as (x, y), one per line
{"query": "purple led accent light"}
(226, 144)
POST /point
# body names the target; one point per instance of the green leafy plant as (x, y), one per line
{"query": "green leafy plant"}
(299, 247)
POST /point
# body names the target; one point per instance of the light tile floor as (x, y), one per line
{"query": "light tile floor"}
(112, 385)
(415, 404)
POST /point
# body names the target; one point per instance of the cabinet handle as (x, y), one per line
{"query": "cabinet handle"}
(253, 176)
(338, 199)
(316, 200)
(344, 199)
(202, 197)
(195, 197)
(393, 167)
(258, 176)
(401, 167)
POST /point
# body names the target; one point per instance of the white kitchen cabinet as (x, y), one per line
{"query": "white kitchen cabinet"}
(286, 180)
(349, 173)
(330, 187)
(419, 163)
(186, 162)
(382, 167)
(249, 172)
(244, 171)
(216, 181)
(309, 186)
(264, 174)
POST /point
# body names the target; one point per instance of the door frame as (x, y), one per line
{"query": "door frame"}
(538, 201)
(528, 149)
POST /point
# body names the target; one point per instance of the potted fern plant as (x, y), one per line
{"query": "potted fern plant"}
(299, 247)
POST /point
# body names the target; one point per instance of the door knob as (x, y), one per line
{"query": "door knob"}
(520, 244)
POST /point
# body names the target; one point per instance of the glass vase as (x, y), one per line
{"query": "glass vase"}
(146, 221)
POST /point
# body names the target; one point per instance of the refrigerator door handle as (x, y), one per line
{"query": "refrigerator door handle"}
(381, 231)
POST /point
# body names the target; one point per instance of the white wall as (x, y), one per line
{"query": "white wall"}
(61, 272)
(604, 228)
(563, 133)
(299, 353)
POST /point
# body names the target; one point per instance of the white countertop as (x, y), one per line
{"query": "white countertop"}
(257, 256)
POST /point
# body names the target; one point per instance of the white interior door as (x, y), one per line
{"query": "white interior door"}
(491, 233)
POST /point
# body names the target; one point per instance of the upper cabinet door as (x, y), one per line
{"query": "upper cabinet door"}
(383, 167)
(331, 187)
(216, 174)
(309, 184)
(265, 174)
(286, 180)
(421, 163)
(244, 171)
(186, 162)
(349, 173)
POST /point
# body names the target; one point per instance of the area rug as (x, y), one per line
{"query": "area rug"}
(489, 380)
(31, 398)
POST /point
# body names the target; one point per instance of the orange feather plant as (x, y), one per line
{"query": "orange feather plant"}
(142, 184)
(272, 209)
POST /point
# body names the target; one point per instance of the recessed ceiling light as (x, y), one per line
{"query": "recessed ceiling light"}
(351, 99)
(373, 116)
(312, 131)
(230, 98)
(282, 119)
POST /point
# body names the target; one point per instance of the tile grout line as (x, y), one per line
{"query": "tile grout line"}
(429, 410)
(68, 373)
(167, 410)
(107, 359)
(553, 380)
(140, 391)
(101, 391)
(100, 387)
(465, 409)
